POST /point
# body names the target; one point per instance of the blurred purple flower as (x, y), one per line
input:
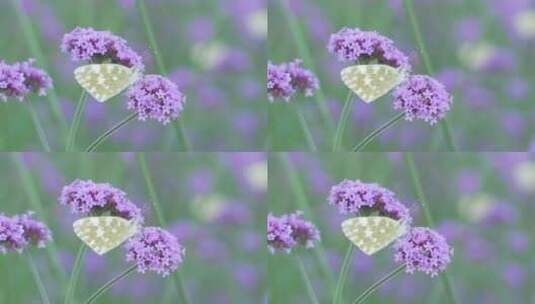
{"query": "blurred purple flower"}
(518, 240)
(357, 197)
(468, 29)
(355, 45)
(200, 181)
(279, 234)
(155, 97)
(11, 235)
(154, 249)
(514, 275)
(200, 28)
(304, 232)
(36, 233)
(87, 197)
(468, 181)
(423, 249)
(501, 213)
(517, 88)
(99, 46)
(20, 78)
(285, 79)
(422, 97)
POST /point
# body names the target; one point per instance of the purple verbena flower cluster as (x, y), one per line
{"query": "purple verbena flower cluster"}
(422, 97)
(357, 197)
(87, 197)
(353, 44)
(155, 97)
(423, 249)
(288, 230)
(284, 79)
(21, 78)
(99, 46)
(22, 230)
(154, 249)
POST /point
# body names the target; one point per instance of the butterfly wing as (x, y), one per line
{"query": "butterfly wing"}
(104, 233)
(106, 80)
(371, 81)
(373, 233)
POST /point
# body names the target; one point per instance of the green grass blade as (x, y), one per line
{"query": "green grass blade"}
(80, 106)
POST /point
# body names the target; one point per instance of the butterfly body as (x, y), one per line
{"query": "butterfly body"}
(106, 80)
(372, 233)
(104, 233)
(372, 81)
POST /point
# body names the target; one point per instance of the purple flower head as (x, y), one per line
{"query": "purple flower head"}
(155, 97)
(302, 80)
(356, 197)
(279, 234)
(279, 82)
(155, 249)
(288, 230)
(304, 232)
(99, 46)
(20, 78)
(88, 197)
(355, 45)
(422, 97)
(36, 80)
(35, 232)
(285, 79)
(423, 249)
(11, 235)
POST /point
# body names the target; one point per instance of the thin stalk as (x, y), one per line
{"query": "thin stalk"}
(342, 123)
(36, 204)
(308, 284)
(304, 53)
(110, 283)
(377, 132)
(93, 146)
(145, 18)
(409, 7)
(37, 52)
(179, 284)
(302, 203)
(75, 275)
(342, 277)
(38, 127)
(444, 276)
(306, 129)
(80, 106)
(38, 280)
(378, 284)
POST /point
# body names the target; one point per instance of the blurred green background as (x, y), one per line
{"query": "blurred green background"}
(482, 203)
(213, 203)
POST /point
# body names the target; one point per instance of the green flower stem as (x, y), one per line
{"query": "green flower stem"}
(80, 106)
(306, 280)
(75, 275)
(38, 280)
(110, 283)
(342, 123)
(304, 53)
(342, 277)
(179, 124)
(179, 284)
(303, 205)
(378, 284)
(35, 203)
(409, 7)
(377, 132)
(444, 276)
(38, 126)
(306, 128)
(93, 146)
(37, 52)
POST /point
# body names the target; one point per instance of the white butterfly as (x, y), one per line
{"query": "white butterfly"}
(372, 81)
(373, 233)
(104, 233)
(106, 80)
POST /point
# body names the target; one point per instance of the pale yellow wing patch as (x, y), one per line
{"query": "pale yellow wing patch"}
(373, 233)
(372, 81)
(104, 233)
(106, 80)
